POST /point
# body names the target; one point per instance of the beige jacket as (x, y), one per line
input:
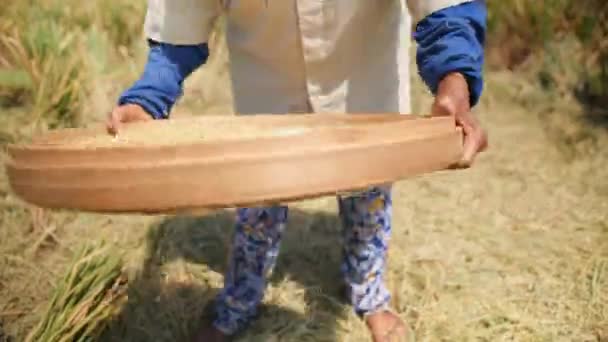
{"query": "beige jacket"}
(290, 56)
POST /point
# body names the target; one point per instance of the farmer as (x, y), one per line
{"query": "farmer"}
(340, 56)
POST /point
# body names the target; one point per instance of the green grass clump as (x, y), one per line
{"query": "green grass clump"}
(65, 47)
(525, 30)
(528, 26)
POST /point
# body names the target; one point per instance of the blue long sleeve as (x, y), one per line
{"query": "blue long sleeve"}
(452, 40)
(161, 83)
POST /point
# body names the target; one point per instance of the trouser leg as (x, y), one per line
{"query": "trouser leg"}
(255, 248)
(366, 220)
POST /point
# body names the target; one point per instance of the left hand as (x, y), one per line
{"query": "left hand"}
(453, 99)
(125, 114)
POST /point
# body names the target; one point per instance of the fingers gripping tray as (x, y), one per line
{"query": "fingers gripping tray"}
(217, 162)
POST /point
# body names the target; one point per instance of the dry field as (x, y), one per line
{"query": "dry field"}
(514, 249)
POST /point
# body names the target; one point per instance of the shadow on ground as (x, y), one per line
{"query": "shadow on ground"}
(595, 101)
(168, 305)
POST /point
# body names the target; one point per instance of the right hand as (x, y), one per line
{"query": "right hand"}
(125, 114)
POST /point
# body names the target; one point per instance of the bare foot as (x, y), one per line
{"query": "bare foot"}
(386, 326)
(209, 333)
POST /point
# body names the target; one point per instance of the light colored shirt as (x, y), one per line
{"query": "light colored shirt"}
(305, 55)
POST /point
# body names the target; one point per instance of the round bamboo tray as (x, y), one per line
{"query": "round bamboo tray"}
(227, 161)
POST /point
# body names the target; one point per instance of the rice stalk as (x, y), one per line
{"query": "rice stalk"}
(86, 300)
(51, 59)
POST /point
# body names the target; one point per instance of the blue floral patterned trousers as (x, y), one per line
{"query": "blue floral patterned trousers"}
(366, 220)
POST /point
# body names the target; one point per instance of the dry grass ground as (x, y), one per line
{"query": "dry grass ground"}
(514, 249)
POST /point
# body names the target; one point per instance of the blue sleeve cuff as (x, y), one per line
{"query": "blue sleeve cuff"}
(452, 40)
(161, 83)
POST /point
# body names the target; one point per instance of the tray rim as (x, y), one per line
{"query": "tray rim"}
(391, 118)
(301, 151)
(187, 170)
(438, 165)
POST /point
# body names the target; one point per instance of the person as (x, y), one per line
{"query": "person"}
(317, 56)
